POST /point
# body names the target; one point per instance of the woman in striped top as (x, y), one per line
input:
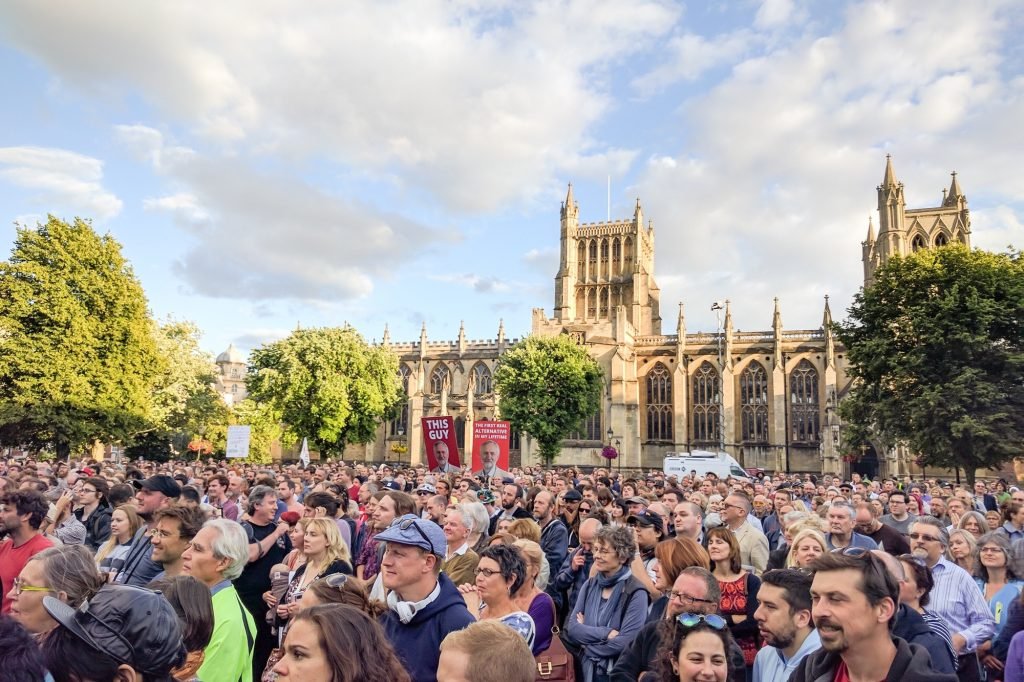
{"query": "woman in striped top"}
(914, 593)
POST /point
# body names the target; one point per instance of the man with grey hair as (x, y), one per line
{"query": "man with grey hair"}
(217, 555)
(752, 541)
(955, 598)
(695, 591)
(460, 560)
(840, 519)
(268, 546)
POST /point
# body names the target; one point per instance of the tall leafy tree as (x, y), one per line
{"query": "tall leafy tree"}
(935, 351)
(327, 385)
(77, 356)
(548, 388)
(185, 403)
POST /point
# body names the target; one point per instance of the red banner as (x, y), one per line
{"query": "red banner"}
(439, 439)
(490, 449)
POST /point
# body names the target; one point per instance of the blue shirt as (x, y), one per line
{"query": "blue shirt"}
(856, 540)
(770, 665)
(957, 600)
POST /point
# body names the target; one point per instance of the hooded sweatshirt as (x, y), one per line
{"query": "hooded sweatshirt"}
(911, 664)
(417, 643)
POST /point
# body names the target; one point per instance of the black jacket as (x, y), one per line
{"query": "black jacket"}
(642, 653)
(912, 664)
(914, 629)
(97, 526)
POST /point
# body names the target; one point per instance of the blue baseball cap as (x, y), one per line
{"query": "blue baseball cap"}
(416, 532)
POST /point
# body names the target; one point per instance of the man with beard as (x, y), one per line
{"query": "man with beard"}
(784, 620)
(157, 492)
(854, 601)
(511, 494)
(554, 536)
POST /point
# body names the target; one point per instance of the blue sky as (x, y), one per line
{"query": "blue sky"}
(267, 165)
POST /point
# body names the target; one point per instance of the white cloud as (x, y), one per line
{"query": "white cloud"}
(271, 236)
(423, 88)
(691, 55)
(479, 284)
(63, 179)
(772, 193)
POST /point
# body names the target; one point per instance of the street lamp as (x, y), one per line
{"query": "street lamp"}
(717, 308)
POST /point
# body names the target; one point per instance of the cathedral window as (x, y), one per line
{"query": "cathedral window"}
(918, 243)
(707, 405)
(627, 254)
(754, 403)
(616, 257)
(590, 429)
(593, 259)
(581, 260)
(592, 304)
(941, 240)
(438, 378)
(603, 296)
(481, 378)
(659, 404)
(400, 424)
(804, 406)
(460, 436)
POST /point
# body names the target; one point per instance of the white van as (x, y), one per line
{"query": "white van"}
(680, 464)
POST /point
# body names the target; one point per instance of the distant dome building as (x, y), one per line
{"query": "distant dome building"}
(231, 375)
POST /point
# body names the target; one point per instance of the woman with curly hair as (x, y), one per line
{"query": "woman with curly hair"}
(695, 648)
(500, 574)
(338, 643)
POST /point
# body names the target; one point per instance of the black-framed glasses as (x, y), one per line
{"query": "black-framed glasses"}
(405, 524)
(688, 599)
(692, 619)
(485, 572)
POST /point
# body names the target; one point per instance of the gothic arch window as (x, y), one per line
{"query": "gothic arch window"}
(603, 296)
(941, 239)
(918, 243)
(616, 257)
(581, 302)
(754, 404)
(593, 259)
(707, 405)
(804, 404)
(581, 260)
(591, 304)
(627, 254)
(590, 429)
(659, 403)
(481, 377)
(400, 424)
(437, 377)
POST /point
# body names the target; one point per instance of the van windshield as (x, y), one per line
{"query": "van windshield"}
(736, 471)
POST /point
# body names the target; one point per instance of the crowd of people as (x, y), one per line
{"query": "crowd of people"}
(223, 571)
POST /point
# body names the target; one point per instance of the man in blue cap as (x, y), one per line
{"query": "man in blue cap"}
(423, 604)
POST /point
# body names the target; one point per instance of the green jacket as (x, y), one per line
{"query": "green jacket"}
(229, 654)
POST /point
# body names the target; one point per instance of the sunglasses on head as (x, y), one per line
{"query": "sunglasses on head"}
(407, 523)
(692, 619)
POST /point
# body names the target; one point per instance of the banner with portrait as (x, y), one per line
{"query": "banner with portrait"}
(490, 448)
(439, 441)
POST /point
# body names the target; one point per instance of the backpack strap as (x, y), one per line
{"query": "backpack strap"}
(249, 641)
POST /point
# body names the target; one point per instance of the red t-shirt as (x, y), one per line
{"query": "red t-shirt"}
(13, 559)
(842, 674)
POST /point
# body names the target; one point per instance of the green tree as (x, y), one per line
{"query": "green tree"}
(934, 347)
(327, 385)
(185, 403)
(548, 388)
(77, 357)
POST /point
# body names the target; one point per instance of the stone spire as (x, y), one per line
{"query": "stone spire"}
(727, 330)
(681, 332)
(462, 336)
(954, 195)
(501, 329)
(830, 344)
(889, 179)
(638, 215)
(777, 333)
(871, 230)
(569, 207)
(386, 341)
(423, 340)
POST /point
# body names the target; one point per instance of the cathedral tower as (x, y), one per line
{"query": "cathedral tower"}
(606, 265)
(902, 231)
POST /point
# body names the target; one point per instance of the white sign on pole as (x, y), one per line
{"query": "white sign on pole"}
(238, 441)
(304, 453)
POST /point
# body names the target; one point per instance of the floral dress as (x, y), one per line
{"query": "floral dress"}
(739, 598)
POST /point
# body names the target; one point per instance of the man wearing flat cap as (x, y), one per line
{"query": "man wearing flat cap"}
(423, 604)
(155, 493)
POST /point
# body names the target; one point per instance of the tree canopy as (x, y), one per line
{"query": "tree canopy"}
(77, 356)
(326, 384)
(548, 388)
(934, 349)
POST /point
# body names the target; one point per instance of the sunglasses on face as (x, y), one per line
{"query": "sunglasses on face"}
(922, 536)
(691, 619)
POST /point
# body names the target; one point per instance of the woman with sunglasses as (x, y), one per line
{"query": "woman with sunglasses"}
(739, 591)
(698, 652)
(500, 574)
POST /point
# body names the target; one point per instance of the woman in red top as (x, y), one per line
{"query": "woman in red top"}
(739, 591)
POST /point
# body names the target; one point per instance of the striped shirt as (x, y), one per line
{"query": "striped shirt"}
(957, 600)
(938, 626)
